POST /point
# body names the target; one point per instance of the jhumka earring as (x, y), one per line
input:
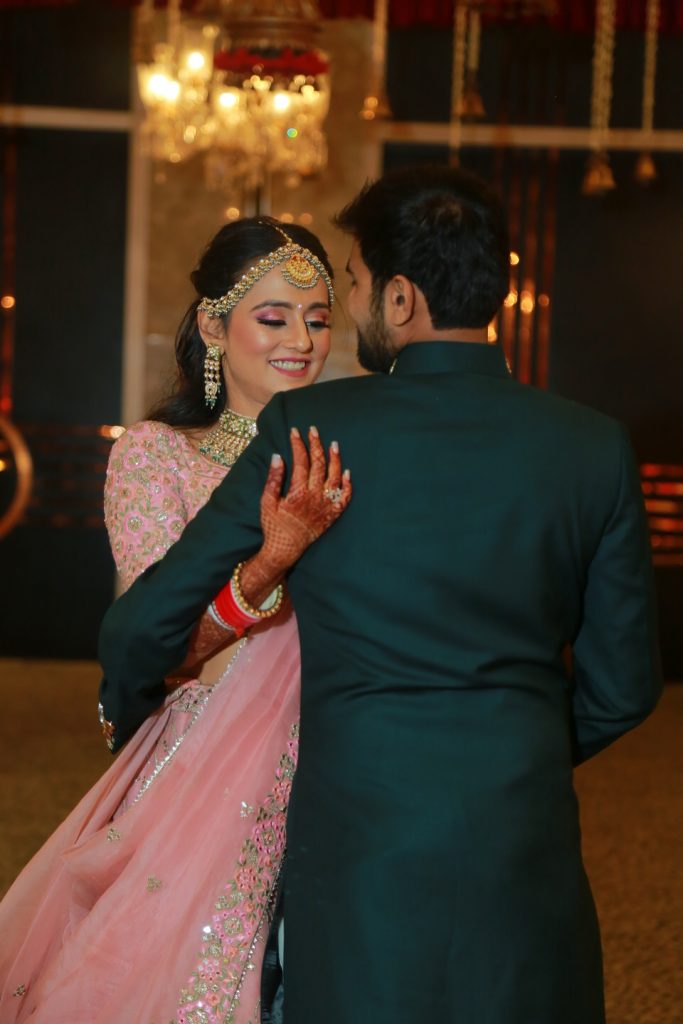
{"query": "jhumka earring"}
(212, 374)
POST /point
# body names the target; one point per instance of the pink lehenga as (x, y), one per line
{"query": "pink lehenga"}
(151, 903)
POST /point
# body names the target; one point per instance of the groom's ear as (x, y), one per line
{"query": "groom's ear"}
(399, 300)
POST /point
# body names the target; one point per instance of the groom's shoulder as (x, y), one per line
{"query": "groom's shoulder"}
(566, 413)
(531, 409)
(331, 393)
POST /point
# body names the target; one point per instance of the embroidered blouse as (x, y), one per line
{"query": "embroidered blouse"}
(156, 482)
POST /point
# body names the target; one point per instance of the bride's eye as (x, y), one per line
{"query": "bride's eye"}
(271, 323)
(317, 325)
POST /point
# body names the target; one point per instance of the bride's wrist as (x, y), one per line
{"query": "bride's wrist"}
(259, 577)
(269, 564)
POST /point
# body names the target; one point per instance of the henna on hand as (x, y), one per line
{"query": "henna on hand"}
(317, 496)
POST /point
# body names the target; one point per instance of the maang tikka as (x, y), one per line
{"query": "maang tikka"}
(299, 266)
(212, 374)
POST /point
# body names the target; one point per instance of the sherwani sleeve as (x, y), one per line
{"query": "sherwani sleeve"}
(617, 671)
(147, 632)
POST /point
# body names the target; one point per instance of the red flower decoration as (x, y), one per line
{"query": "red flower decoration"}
(243, 61)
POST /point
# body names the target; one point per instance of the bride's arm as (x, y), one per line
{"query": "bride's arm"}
(316, 498)
(146, 633)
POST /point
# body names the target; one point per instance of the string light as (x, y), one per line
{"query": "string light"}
(526, 303)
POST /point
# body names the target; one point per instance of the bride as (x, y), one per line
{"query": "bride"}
(152, 902)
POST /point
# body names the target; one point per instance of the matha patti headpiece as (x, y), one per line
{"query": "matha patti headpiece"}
(298, 265)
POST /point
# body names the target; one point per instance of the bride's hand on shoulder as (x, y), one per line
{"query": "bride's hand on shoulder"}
(317, 496)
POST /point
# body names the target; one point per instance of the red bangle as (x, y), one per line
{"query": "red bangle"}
(230, 613)
(235, 613)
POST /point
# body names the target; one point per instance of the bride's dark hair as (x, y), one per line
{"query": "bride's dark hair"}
(236, 247)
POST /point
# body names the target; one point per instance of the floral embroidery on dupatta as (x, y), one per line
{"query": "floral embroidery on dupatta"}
(245, 904)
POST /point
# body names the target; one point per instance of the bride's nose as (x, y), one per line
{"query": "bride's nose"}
(300, 339)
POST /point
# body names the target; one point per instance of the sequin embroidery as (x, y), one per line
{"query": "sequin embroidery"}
(190, 703)
(244, 909)
(156, 482)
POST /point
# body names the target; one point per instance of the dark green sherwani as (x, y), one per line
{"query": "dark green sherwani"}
(434, 868)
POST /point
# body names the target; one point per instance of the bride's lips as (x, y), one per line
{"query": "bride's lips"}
(291, 367)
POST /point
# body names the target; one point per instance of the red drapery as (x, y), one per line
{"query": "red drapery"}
(572, 15)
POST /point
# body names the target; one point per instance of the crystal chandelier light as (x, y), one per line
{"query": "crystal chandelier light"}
(240, 81)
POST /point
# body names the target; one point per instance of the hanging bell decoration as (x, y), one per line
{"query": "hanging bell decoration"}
(458, 80)
(598, 178)
(645, 171)
(376, 103)
(472, 105)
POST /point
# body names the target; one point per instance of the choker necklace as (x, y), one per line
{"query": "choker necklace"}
(229, 438)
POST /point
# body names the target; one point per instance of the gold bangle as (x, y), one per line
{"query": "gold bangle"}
(243, 604)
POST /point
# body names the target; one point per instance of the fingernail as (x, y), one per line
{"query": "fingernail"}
(294, 432)
(275, 459)
(347, 474)
(335, 447)
(314, 431)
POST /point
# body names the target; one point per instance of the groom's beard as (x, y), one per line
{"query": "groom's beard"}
(376, 349)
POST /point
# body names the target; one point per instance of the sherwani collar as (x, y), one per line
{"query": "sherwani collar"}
(451, 357)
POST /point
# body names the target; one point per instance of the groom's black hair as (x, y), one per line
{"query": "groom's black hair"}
(442, 228)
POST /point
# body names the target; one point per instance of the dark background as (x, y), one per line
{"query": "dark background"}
(612, 267)
(56, 570)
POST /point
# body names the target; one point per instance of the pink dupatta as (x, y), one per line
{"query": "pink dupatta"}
(151, 902)
(161, 914)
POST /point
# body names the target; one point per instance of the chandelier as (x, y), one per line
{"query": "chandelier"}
(240, 81)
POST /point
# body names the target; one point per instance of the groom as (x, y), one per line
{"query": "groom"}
(433, 868)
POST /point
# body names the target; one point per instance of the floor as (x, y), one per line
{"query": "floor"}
(631, 797)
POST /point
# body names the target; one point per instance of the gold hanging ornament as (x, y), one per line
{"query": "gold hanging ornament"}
(598, 178)
(376, 103)
(472, 105)
(212, 374)
(466, 101)
(458, 79)
(645, 171)
(142, 43)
